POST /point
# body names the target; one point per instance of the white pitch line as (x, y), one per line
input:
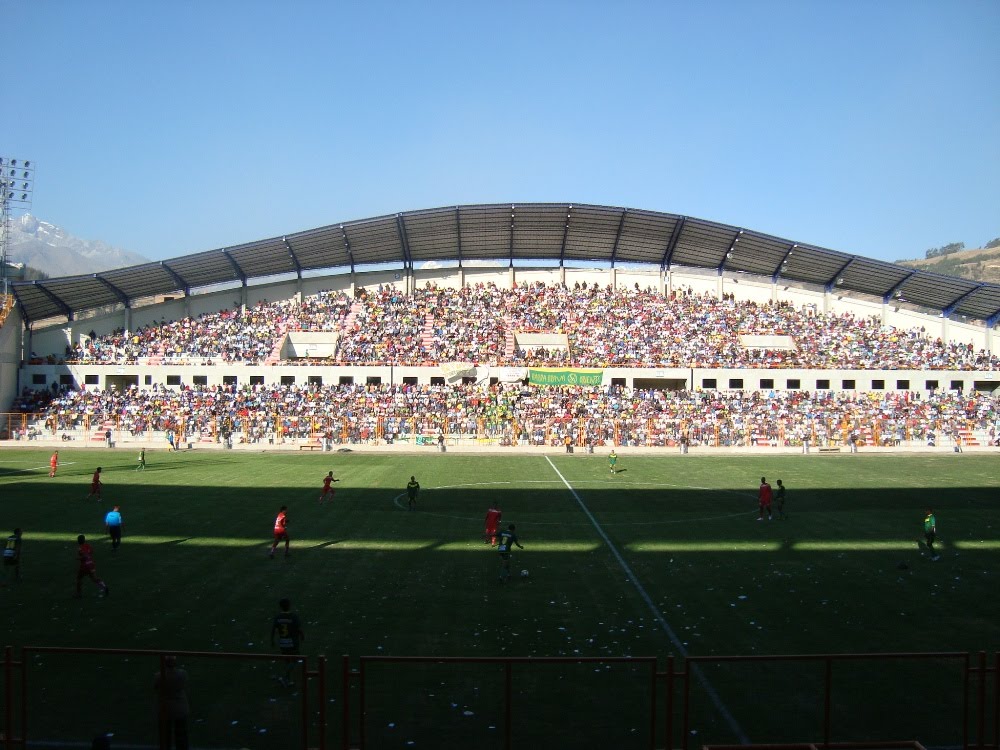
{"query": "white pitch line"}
(734, 726)
(47, 467)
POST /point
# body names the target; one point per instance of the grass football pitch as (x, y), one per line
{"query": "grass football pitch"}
(663, 558)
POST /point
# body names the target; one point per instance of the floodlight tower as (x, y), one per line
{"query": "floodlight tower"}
(17, 185)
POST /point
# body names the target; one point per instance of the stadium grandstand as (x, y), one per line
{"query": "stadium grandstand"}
(658, 329)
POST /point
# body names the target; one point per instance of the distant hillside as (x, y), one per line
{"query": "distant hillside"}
(54, 251)
(978, 265)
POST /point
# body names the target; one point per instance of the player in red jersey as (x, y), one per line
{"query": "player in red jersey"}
(95, 485)
(328, 491)
(53, 463)
(87, 568)
(493, 516)
(280, 531)
(764, 500)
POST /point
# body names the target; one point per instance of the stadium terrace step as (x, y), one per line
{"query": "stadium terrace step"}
(968, 437)
(275, 356)
(510, 341)
(427, 335)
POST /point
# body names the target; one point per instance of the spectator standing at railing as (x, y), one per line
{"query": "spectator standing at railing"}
(173, 708)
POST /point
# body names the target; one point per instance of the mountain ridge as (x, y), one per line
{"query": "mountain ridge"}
(51, 249)
(979, 264)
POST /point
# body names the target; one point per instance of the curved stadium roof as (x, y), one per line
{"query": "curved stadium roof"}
(511, 233)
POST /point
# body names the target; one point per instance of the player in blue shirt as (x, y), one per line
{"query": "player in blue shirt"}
(114, 524)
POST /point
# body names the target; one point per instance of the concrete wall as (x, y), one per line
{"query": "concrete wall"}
(100, 376)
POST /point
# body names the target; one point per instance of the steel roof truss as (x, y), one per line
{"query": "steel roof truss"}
(668, 254)
(562, 246)
(181, 283)
(783, 264)
(729, 252)
(295, 260)
(236, 266)
(951, 307)
(404, 241)
(347, 247)
(887, 298)
(66, 309)
(122, 297)
(618, 237)
(829, 286)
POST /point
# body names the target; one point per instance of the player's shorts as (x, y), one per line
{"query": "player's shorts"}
(765, 503)
(10, 561)
(491, 530)
(505, 555)
(94, 488)
(289, 650)
(115, 532)
(281, 536)
(86, 570)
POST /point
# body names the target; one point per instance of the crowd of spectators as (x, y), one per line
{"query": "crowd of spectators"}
(236, 336)
(519, 413)
(601, 326)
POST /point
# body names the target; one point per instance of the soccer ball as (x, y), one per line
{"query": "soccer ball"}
(524, 574)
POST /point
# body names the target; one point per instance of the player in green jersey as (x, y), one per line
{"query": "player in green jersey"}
(612, 460)
(930, 533)
(12, 554)
(508, 539)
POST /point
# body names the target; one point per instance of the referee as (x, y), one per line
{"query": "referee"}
(113, 523)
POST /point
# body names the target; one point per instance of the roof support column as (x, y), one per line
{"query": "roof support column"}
(720, 285)
(944, 328)
(511, 281)
(666, 282)
(989, 339)
(827, 296)
(613, 277)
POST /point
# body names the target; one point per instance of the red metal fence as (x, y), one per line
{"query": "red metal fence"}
(661, 704)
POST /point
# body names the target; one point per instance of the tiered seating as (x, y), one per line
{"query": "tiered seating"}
(603, 327)
(361, 413)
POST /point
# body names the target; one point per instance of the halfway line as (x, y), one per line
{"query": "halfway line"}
(657, 615)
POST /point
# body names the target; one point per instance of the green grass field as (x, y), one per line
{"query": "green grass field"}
(663, 558)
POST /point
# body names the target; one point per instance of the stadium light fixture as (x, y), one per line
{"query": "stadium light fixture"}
(17, 186)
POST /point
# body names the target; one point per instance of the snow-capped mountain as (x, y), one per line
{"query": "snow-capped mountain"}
(53, 250)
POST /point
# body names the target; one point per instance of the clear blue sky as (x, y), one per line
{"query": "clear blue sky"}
(173, 127)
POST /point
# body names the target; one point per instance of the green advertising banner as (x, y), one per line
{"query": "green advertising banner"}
(564, 376)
